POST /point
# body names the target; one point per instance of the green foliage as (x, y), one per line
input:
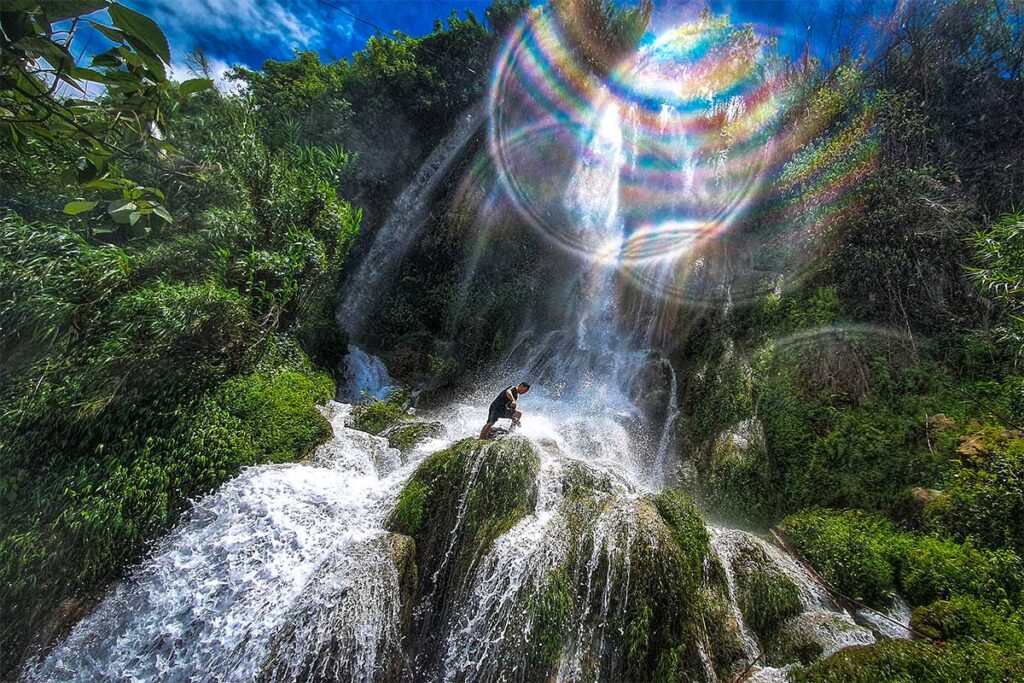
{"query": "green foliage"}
(282, 411)
(138, 376)
(865, 556)
(39, 68)
(901, 661)
(76, 523)
(982, 495)
(375, 416)
(969, 619)
(1000, 250)
(853, 550)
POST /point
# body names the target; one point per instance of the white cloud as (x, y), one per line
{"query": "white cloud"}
(245, 31)
(218, 71)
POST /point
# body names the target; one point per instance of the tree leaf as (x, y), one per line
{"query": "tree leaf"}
(111, 33)
(142, 27)
(163, 213)
(121, 210)
(134, 217)
(58, 10)
(76, 207)
(194, 85)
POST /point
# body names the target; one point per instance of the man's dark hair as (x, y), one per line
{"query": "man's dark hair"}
(525, 384)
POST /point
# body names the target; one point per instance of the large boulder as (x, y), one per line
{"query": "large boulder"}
(405, 436)
(352, 618)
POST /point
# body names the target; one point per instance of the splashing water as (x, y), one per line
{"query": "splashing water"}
(365, 377)
(287, 572)
(219, 597)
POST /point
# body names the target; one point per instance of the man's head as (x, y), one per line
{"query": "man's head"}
(523, 387)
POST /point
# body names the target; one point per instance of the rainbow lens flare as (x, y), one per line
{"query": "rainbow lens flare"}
(681, 146)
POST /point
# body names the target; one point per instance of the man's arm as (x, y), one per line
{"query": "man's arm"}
(508, 394)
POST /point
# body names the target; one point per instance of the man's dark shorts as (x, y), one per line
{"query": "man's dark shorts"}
(498, 411)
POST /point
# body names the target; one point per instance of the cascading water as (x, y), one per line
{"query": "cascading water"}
(403, 225)
(365, 377)
(288, 572)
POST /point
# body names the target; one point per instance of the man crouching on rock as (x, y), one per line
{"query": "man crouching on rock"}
(505, 406)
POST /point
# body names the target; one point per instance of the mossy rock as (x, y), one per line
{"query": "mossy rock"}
(406, 436)
(462, 498)
(724, 631)
(765, 594)
(322, 636)
(643, 573)
(377, 416)
(810, 635)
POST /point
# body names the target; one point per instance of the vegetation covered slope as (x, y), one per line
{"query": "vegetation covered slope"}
(170, 259)
(876, 407)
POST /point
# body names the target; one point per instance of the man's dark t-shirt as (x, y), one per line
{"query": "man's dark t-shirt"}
(499, 408)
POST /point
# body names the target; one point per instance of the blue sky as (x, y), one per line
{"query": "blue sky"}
(250, 31)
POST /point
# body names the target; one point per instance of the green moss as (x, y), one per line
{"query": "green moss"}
(473, 491)
(864, 556)
(766, 596)
(550, 615)
(900, 661)
(409, 507)
(405, 437)
(656, 602)
(376, 416)
(686, 525)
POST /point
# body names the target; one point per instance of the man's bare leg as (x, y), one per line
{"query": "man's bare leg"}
(516, 416)
(485, 433)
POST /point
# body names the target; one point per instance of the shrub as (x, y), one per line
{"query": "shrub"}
(901, 661)
(967, 618)
(982, 497)
(852, 550)
(864, 556)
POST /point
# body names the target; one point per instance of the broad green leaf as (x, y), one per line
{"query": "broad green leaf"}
(106, 184)
(121, 210)
(142, 27)
(58, 10)
(112, 34)
(134, 217)
(76, 207)
(194, 85)
(163, 213)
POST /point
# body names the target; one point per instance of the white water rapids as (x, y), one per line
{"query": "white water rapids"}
(287, 572)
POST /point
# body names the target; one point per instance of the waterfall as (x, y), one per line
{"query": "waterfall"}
(402, 226)
(260, 574)
(288, 572)
(364, 377)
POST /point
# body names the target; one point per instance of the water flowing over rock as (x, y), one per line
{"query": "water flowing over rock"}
(364, 377)
(405, 219)
(427, 554)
